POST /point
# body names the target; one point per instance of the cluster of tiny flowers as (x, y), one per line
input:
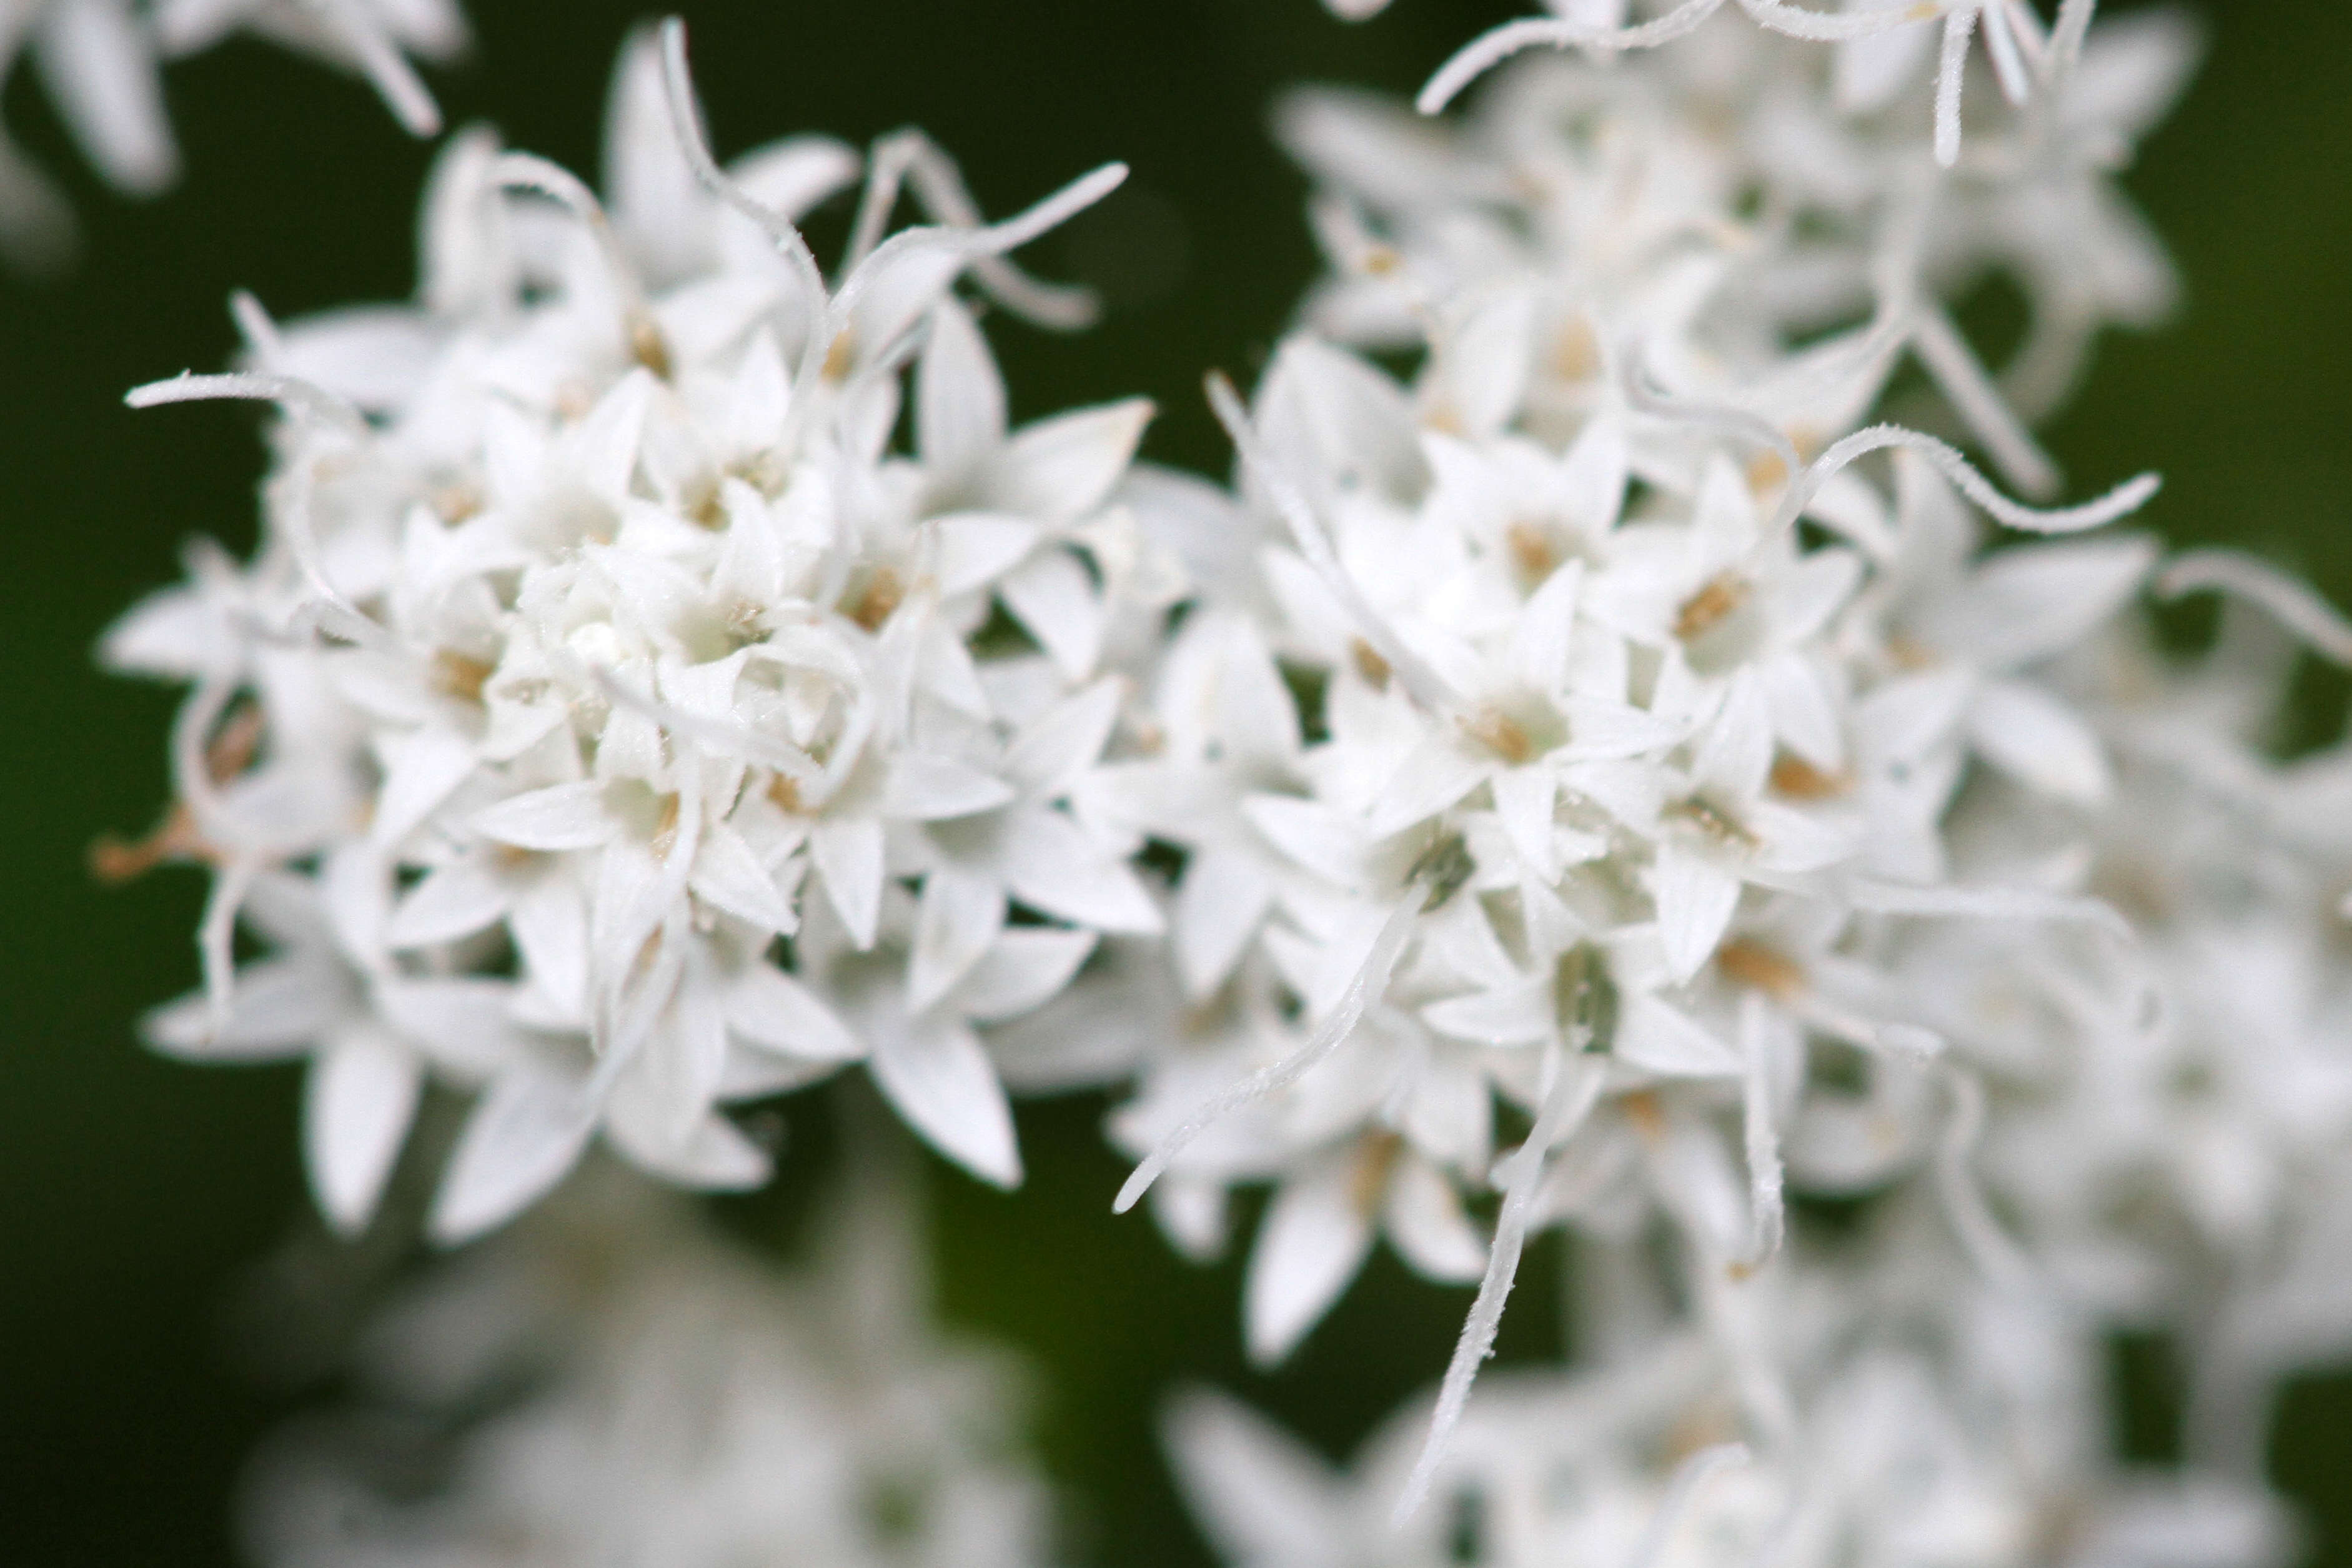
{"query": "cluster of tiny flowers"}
(102, 61)
(612, 1383)
(1591, 738)
(1640, 706)
(611, 720)
(1912, 1417)
(1584, 775)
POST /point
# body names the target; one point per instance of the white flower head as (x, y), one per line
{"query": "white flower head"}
(736, 743)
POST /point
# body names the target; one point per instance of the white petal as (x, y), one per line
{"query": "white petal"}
(772, 1010)
(711, 1153)
(1797, 840)
(525, 1132)
(941, 1080)
(1694, 897)
(456, 901)
(356, 1106)
(550, 926)
(1485, 363)
(1660, 1038)
(564, 816)
(1428, 1226)
(101, 73)
(1434, 774)
(848, 856)
(975, 548)
(424, 770)
(728, 875)
(1192, 1214)
(1027, 967)
(1223, 896)
(1546, 626)
(176, 633)
(1601, 729)
(1736, 755)
(1056, 746)
(458, 1021)
(648, 187)
(923, 787)
(1592, 475)
(2039, 740)
(959, 396)
(673, 1079)
(1314, 835)
(1314, 1240)
(1054, 599)
(279, 1008)
(1872, 69)
(1264, 1499)
(2029, 601)
(1804, 713)
(1523, 803)
(957, 917)
(1060, 469)
(1051, 865)
(1514, 1014)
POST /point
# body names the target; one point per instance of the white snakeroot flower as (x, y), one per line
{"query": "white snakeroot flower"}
(1582, 824)
(672, 694)
(1586, 745)
(619, 1383)
(101, 61)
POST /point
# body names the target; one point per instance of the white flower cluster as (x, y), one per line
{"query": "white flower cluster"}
(612, 1383)
(1588, 777)
(600, 725)
(102, 61)
(1597, 743)
(1903, 1442)
(1643, 709)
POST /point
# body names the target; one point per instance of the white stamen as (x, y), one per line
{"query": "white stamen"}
(1371, 979)
(1956, 369)
(1988, 1247)
(1984, 903)
(1761, 1135)
(385, 68)
(1491, 48)
(1574, 1089)
(1950, 74)
(2295, 605)
(2121, 501)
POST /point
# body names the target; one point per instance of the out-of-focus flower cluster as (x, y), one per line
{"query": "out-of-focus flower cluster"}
(1582, 776)
(102, 61)
(612, 1383)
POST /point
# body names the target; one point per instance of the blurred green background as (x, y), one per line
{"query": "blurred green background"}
(135, 1196)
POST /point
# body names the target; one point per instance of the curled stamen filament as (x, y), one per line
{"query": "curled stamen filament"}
(305, 401)
(1988, 1245)
(1574, 1089)
(2122, 501)
(2295, 607)
(1370, 980)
